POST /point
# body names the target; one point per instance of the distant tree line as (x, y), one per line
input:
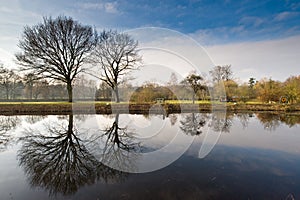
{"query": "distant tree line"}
(30, 87)
(57, 53)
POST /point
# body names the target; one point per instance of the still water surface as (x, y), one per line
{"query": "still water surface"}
(257, 156)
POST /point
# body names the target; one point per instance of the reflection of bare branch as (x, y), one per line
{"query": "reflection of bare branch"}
(58, 160)
(119, 149)
(34, 118)
(192, 123)
(173, 119)
(221, 122)
(244, 118)
(6, 124)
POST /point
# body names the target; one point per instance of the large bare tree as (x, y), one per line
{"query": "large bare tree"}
(57, 49)
(117, 55)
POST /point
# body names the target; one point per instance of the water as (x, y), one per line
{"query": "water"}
(180, 156)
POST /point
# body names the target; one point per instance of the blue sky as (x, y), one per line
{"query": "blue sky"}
(217, 25)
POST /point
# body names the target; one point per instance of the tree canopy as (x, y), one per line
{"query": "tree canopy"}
(117, 55)
(57, 49)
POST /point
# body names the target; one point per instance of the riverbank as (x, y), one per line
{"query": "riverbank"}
(45, 108)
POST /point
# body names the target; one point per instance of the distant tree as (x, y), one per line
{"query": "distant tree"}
(173, 85)
(104, 91)
(117, 55)
(221, 73)
(40, 88)
(269, 90)
(292, 89)
(56, 49)
(84, 88)
(30, 80)
(251, 84)
(173, 80)
(195, 82)
(243, 92)
(231, 88)
(10, 82)
(226, 72)
(216, 73)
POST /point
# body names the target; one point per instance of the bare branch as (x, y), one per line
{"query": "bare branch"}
(117, 55)
(57, 49)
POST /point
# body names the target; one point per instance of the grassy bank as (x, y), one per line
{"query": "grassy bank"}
(13, 108)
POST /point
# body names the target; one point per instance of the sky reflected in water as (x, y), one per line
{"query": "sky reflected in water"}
(257, 156)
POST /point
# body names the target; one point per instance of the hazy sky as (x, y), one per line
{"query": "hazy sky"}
(259, 38)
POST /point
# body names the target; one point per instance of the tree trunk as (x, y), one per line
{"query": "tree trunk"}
(193, 97)
(70, 125)
(7, 92)
(70, 91)
(30, 92)
(117, 94)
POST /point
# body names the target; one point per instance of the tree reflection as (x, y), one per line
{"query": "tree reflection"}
(192, 123)
(32, 119)
(119, 148)
(221, 122)
(270, 121)
(173, 119)
(244, 118)
(6, 124)
(59, 161)
(290, 120)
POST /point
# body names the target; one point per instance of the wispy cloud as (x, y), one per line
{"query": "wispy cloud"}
(251, 21)
(108, 7)
(218, 35)
(285, 15)
(273, 58)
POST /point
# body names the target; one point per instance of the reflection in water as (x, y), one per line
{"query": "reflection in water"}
(271, 121)
(173, 119)
(6, 124)
(244, 118)
(59, 161)
(192, 123)
(221, 122)
(119, 149)
(32, 119)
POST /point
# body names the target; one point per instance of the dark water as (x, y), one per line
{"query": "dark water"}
(256, 156)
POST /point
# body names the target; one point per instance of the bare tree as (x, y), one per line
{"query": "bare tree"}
(117, 55)
(221, 73)
(57, 49)
(30, 81)
(9, 82)
(216, 73)
(227, 72)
